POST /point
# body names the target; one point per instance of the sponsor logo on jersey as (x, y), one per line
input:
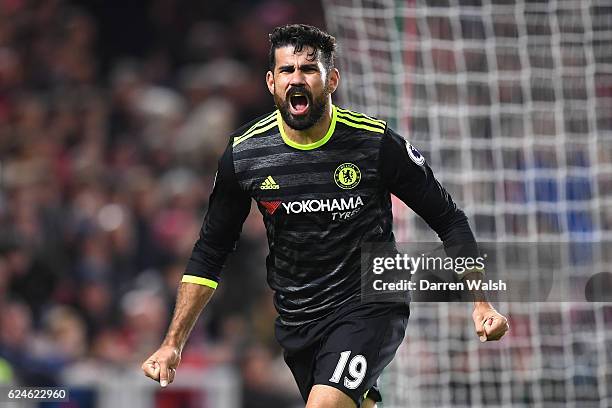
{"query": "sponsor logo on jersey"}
(270, 206)
(414, 154)
(333, 204)
(269, 184)
(347, 176)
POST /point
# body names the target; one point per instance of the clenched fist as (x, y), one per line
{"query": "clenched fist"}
(162, 365)
(489, 323)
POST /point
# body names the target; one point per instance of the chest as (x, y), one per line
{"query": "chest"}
(333, 183)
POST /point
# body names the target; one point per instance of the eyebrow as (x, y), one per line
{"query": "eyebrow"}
(303, 66)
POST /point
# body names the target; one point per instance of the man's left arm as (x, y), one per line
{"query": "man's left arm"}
(407, 175)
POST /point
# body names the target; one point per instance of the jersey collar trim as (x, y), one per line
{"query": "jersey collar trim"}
(308, 146)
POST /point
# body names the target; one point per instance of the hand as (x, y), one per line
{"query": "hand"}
(162, 364)
(489, 323)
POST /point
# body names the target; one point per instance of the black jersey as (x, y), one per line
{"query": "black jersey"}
(319, 202)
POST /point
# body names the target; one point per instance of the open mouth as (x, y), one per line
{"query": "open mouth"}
(298, 102)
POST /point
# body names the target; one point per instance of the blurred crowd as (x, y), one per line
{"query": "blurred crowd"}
(112, 118)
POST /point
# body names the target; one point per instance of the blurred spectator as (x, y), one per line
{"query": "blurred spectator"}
(64, 334)
(263, 387)
(20, 348)
(145, 320)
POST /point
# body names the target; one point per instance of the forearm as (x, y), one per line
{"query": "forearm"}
(477, 296)
(190, 301)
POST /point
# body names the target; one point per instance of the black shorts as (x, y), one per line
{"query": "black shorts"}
(347, 350)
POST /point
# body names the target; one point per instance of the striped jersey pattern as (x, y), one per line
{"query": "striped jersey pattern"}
(319, 203)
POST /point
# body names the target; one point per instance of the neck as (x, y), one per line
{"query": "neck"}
(314, 133)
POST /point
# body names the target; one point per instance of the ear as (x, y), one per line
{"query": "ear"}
(334, 79)
(270, 81)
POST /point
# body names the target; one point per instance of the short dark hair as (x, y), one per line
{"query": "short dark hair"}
(299, 36)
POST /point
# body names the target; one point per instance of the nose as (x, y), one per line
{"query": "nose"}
(297, 78)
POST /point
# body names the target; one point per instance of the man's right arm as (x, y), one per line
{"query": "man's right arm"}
(191, 299)
(228, 207)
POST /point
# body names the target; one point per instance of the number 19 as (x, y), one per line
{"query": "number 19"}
(357, 370)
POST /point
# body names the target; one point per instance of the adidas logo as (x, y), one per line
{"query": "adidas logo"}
(269, 184)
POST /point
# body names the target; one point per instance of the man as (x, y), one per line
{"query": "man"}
(322, 177)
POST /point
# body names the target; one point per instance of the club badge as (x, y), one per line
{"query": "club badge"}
(347, 176)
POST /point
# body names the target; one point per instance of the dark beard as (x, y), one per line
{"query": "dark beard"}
(315, 111)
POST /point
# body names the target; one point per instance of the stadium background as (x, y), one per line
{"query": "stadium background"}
(112, 117)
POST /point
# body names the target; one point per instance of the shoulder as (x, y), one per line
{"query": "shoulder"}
(360, 121)
(396, 146)
(263, 124)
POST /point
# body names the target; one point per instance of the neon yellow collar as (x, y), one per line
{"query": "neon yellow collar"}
(308, 146)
